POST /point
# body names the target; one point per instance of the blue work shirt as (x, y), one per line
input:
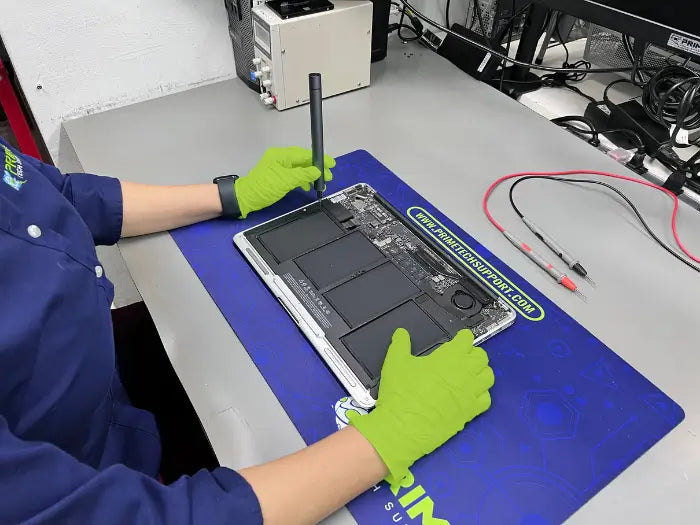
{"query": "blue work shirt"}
(72, 448)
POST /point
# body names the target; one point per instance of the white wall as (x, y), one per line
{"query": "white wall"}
(435, 9)
(93, 55)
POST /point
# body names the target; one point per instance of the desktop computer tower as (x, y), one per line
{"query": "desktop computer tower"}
(380, 28)
(240, 27)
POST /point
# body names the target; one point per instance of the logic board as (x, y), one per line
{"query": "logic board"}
(351, 269)
(361, 208)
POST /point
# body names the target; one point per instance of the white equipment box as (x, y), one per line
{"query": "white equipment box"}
(335, 43)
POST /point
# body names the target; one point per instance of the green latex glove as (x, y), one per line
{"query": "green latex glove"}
(279, 171)
(424, 401)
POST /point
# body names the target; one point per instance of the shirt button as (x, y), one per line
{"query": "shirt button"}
(34, 231)
(99, 271)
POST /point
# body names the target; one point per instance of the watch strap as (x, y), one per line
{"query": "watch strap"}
(227, 194)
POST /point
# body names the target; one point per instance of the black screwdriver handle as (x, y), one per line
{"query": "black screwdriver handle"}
(316, 102)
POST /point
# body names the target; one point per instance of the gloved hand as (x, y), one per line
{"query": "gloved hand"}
(279, 171)
(424, 401)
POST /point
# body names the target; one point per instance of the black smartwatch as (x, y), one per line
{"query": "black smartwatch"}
(227, 194)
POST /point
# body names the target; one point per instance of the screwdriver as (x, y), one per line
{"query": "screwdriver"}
(565, 256)
(535, 257)
(316, 104)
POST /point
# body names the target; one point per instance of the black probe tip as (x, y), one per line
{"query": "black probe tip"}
(579, 270)
(583, 273)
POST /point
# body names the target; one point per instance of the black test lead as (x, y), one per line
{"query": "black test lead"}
(316, 104)
(540, 261)
(571, 261)
(553, 245)
(556, 175)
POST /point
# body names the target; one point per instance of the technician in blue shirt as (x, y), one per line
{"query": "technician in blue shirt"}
(74, 450)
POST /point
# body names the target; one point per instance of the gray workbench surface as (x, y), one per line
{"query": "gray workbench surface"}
(448, 136)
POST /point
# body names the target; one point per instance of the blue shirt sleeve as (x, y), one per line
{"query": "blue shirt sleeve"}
(41, 483)
(97, 199)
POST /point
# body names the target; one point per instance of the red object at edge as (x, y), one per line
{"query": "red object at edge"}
(18, 122)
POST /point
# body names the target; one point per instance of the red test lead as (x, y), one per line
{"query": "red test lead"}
(535, 257)
(674, 213)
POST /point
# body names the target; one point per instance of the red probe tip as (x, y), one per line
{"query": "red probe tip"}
(569, 284)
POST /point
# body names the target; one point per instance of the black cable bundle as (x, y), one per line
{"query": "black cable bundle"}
(562, 79)
(671, 97)
(412, 11)
(575, 72)
(566, 123)
(416, 26)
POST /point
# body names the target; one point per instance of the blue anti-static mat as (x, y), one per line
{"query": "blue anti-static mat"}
(568, 414)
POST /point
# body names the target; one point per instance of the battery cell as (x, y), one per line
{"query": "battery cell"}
(371, 294)
(369, 344)
(339, 259)
(295, 238)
